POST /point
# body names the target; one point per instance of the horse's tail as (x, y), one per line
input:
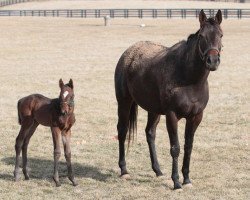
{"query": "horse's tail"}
(19, 118)
(132, 123)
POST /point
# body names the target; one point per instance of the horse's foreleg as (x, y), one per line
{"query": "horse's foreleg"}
(67, 154)
(24, 149)
(57, 153)
(172, 121)
(153, 120)
(191, 126)
(122, 128)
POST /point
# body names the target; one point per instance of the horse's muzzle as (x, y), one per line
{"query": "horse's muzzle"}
(212, 62)
(64, 112)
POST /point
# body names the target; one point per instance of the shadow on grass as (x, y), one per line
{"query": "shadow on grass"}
(43, 169)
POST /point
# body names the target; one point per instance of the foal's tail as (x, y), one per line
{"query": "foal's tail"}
(19, 118)
(132, 123)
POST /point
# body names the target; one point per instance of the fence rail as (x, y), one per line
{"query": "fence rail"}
(10, 2)
(127, 13)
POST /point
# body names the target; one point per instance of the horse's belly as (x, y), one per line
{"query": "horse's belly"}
(146, 97)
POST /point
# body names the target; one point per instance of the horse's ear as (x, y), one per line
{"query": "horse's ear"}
(202, 17)
(218, 17)
(71, 84)
(61, 84)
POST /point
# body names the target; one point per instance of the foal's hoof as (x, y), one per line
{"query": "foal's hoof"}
(74, 183)
(125, 176)
(16, 176)
(58, 184)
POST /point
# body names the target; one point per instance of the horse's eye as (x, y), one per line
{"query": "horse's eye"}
(221, 36)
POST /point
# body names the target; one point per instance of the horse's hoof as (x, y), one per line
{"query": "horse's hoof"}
(27, 177)
(177, 186)
(75, 184)
(159, 174)
(125, 176)
(188, 185)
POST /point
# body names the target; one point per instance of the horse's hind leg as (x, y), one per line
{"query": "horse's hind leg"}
(24, 149)
(153, 120)
(26, 124)
(122, 127)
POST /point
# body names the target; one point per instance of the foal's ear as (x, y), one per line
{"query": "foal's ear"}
(61, 84)
(218, 17)
(202, 17)
(71, 85)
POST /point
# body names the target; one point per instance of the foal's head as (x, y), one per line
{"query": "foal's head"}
(66, 97)
(209, 39)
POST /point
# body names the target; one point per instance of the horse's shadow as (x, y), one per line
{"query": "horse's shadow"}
(43, 169)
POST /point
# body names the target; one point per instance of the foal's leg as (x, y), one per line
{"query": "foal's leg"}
(191, 126)
(153, 120)
(24, 149)
(67, 154)
(172, 121)
(122, 127)
(26, 124)
(56, 132)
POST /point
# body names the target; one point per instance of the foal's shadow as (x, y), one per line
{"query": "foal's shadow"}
(43, 169)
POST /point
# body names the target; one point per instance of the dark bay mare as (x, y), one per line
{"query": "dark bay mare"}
(171, 82)
(58, 114)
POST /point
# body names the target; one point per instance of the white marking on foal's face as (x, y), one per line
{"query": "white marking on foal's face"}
(65, 94)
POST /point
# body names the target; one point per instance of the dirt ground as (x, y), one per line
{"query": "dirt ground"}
(36, 52)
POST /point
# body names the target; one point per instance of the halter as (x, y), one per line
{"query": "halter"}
(204, 54)
(70, 103)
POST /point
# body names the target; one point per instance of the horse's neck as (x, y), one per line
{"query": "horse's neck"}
(194, 71)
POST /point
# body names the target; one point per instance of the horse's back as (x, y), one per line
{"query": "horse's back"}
(27, 105)
(134, 59)
(142, 52)
(136, 73)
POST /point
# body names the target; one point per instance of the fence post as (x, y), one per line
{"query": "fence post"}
(225, 13)
(140, 13)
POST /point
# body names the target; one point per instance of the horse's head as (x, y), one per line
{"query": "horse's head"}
(66, 97)
(209, 40)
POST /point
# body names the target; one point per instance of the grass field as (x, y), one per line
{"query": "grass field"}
(36, 52)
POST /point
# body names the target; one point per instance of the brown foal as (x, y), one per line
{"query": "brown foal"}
(58, 114)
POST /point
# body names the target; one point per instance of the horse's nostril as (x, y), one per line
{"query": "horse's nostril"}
(209, 60)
